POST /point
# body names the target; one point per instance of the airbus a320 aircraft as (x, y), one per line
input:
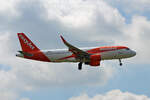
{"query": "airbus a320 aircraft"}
(88, 56)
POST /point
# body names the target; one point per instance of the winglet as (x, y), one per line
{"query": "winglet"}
(63, 39)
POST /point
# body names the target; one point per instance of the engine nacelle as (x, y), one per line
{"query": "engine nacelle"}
(95, 60)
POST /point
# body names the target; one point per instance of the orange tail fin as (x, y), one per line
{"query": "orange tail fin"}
(26, 44)
(29, 50)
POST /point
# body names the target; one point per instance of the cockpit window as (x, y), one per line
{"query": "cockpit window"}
(127, 49)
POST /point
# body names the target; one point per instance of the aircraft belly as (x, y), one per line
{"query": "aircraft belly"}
(67, 60)
(61, 57)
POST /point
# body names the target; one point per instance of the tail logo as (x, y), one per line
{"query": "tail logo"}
(27, 42)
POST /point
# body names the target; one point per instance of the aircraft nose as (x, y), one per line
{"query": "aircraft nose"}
(133, 53)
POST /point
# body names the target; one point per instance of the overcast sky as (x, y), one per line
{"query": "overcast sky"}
(84, 23)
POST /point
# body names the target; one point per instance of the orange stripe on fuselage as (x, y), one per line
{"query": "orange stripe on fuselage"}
(98, 50)
(105, 49)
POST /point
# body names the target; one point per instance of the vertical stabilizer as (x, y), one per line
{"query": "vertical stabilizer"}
(29, 50)
(26, 44)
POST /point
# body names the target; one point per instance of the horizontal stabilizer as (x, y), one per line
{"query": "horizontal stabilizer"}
(25, 53)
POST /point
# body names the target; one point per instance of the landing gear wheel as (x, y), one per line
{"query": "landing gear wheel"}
(80, 66)
(120, 62)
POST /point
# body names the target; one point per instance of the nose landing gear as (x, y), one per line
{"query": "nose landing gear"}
(80, 66)
(120, 63)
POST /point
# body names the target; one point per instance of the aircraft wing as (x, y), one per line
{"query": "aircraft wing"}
(80, 54)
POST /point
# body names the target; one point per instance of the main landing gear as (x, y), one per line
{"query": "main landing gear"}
(80, 66)
(120, 62)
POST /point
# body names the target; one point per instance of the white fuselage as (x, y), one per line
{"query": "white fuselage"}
(57, 54)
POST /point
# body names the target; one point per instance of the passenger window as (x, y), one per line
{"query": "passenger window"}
(127, 49)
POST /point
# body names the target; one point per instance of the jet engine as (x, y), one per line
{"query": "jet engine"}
(94, 60)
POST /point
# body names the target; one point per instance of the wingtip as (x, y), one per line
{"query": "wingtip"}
(20, 33)
(62, 38)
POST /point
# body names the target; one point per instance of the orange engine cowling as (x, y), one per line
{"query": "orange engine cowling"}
(95, 60)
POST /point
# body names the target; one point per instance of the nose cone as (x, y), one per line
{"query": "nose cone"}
(133, 53)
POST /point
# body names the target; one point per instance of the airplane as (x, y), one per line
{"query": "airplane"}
(88, 56)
